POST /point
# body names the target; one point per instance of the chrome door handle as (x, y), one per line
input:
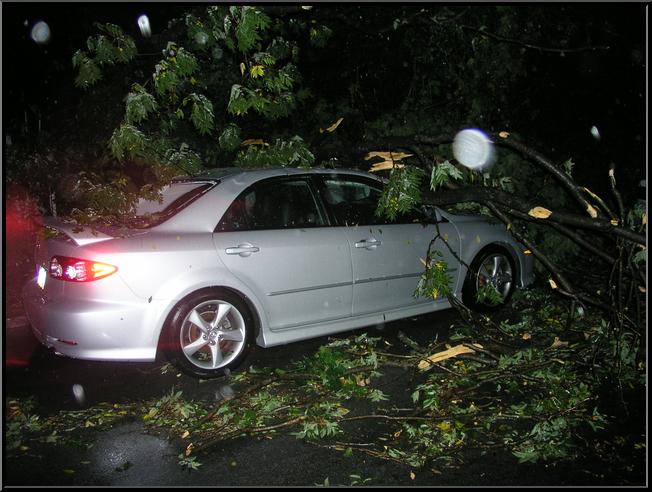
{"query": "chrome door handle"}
(243, 250)
(368, 243)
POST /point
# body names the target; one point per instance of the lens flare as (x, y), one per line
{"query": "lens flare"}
(473, 149)
(40, 33)
(79, 393)
(143, 25)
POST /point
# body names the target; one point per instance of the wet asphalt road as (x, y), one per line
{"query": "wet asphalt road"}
(126, 455)
(31, 370)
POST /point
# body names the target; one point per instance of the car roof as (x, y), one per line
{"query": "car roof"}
(219, 174)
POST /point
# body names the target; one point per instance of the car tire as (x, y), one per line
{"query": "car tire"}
(209, 333)
(492, 265)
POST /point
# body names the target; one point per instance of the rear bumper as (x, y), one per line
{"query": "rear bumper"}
(91, 329)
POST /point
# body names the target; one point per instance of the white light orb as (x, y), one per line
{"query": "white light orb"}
(595, 132)
(473, 149)
(144, 26)
(40, 33)
(79, 393)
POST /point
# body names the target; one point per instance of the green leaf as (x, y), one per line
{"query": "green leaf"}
(230, 139)
(442, 173)
(186, 62)
(285, 153)
(89, 72)
(127, 140)
(256, 71)
(139, 104)
(166, 78)
(568, 167)
(251, 22)
(401, 193)
(202, 113)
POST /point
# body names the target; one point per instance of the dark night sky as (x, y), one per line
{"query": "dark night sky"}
(41, 74)
(605, 90)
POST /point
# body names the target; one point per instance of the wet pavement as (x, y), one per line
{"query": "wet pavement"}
(129, 454)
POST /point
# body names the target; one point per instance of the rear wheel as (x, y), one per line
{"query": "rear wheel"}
(490, 281)
(209, 333)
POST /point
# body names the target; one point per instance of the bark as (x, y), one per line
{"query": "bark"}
(482, 194)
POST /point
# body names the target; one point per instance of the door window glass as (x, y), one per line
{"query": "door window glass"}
(354, 202)
(275, 204)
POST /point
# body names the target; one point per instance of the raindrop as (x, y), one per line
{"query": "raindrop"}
(473, 149)
(41, 33)
(595, 132)
(80, 394)
(143, 25)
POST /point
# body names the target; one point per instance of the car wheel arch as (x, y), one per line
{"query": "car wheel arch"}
(505, 249)
(167, 319)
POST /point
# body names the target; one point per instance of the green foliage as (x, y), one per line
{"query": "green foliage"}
(489, 295)
(89, 71)
(640, 257)
(243, 99)
(636, 217)
(402, 193)
(109, 48)
(184, 159)
(24, 428)
(189, 462)
(230, 138)
(127, 141)
(202, 113)
(435, 282)
(174, 411)
(166, 78)
(214, 51)
(250, 23)
(139, 105)
(319, 35)
(442, 173)
(568, 167)
(283, 153)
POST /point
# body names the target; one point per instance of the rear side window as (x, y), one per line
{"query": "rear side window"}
(174, 198)
(274, 204)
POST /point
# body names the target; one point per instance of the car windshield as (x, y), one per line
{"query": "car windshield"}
(174, 197)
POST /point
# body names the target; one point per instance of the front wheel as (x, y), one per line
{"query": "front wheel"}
(209, 333)
(490, 281)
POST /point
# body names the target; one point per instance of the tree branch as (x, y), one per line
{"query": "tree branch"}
(482, 194)
(518, 42)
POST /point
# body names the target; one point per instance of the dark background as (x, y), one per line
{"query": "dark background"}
(567, 95)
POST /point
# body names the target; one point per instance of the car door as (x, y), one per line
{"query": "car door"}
(387, 257)
(275, 238)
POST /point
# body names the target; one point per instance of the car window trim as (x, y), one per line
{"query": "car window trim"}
(322, 177)
(307, 178)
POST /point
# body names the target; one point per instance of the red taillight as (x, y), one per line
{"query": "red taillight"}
(76, 270)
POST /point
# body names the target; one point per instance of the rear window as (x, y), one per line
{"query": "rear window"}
(174, 198)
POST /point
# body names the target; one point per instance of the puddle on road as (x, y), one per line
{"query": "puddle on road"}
(126, 455)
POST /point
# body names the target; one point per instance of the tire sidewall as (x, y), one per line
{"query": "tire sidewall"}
(173, 328)
(469, 290)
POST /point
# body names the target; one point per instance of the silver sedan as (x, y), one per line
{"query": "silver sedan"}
(266, 256)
